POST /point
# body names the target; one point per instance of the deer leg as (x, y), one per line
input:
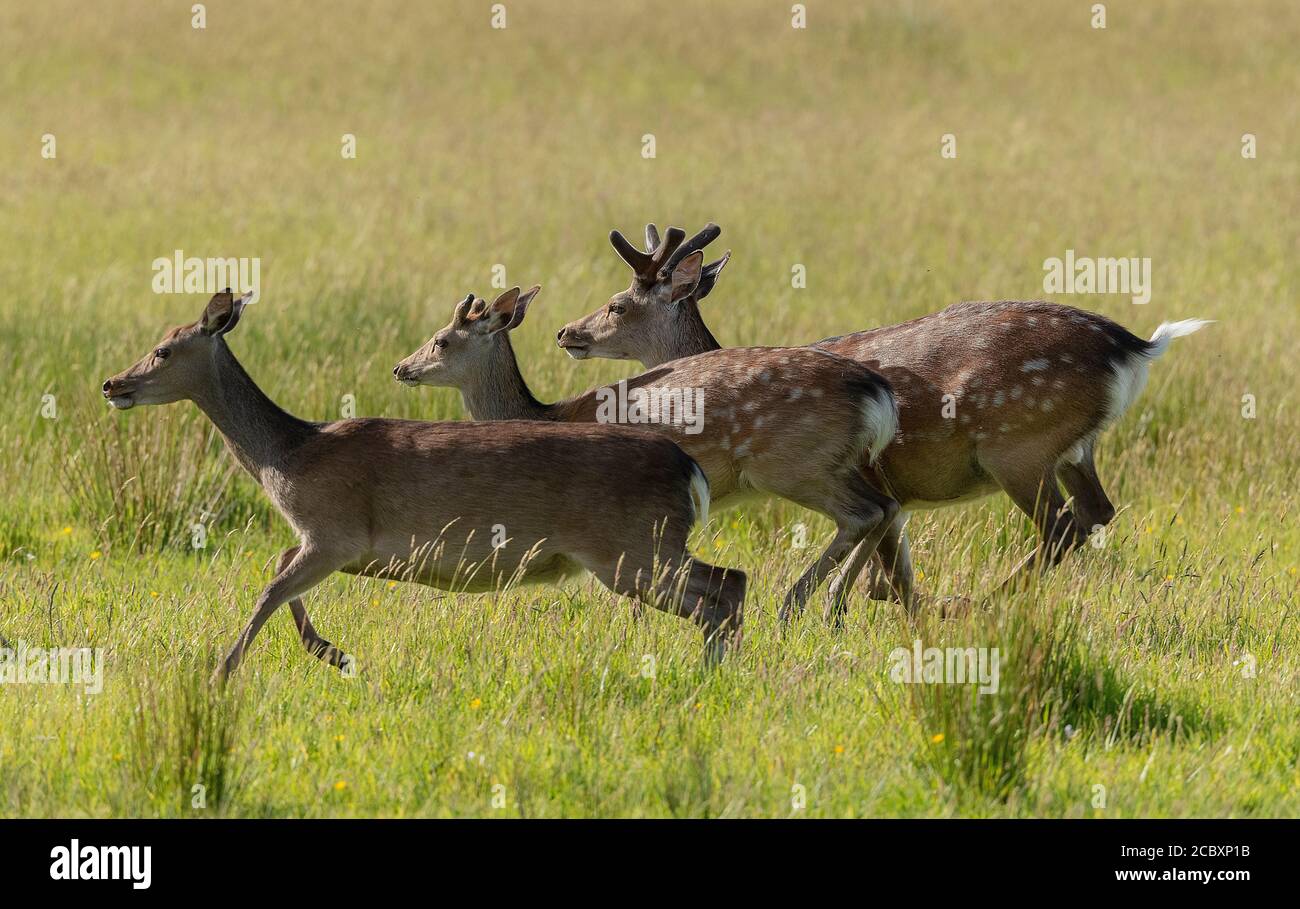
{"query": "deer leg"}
(305, 570)
(872, 517)
(1090, 505)
(1037, 495)
(890, 569)
(710, 596)
(714, 598)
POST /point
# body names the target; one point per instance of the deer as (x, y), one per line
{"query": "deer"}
(1008, 395)
(457, 506)
(796, 423)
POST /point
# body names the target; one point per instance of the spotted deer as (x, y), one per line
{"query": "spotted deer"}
(997, 395)
(789, 422)
(457, 506)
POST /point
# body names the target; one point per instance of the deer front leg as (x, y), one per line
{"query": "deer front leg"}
(305, 569)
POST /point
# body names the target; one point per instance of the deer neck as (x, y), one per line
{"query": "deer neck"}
(687, 337)
(257, 432)
(499, 392)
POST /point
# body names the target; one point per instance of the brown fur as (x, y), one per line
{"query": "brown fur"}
(421, 501)
(975, 352)
(780, 421)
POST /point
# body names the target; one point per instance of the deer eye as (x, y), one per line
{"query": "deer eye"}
(617, 309)
(162, 353)
(440, 343)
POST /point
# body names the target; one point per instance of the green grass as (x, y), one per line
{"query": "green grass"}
(1170, 653)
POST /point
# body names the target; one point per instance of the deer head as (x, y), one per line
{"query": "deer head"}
(668, 281)
(184, 363)
(456, 354)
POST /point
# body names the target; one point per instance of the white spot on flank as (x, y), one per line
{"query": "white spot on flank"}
(795, 394)
(1033, 365)
(1038, 380)
(1047, 405)
(1016, 392)
(815, 392)
(1004, 427)
(1066, 358)
(998, 399)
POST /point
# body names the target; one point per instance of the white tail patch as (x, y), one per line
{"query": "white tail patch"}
(1131, 371)
(1170, 330)
(700, 494)
(879, 422)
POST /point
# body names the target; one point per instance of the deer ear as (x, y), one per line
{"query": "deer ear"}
(501, 312)
(222, 312)
(521, 306)
(686, 276)
(710, 276)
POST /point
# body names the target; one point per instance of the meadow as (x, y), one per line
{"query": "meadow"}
(1155, 675)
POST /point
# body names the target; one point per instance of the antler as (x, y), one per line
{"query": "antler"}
(462, 310)
(699, 241)
(647, 264)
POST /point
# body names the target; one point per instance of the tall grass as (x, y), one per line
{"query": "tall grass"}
(1055, 678)
(186, 734)
(157, 482)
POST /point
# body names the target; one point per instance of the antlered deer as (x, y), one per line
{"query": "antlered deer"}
(422, 501)
(791, 422)
(1008, 395)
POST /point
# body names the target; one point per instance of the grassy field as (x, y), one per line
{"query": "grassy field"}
(1157, 675)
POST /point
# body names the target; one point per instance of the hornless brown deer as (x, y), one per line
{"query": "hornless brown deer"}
(458, 506)
(1008, 395)
(791, 422)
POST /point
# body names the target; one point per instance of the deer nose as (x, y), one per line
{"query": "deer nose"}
(559, 335)
(108, 385)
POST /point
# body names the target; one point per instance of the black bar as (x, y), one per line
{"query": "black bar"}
(341, 858)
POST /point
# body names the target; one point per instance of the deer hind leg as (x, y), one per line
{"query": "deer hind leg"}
(1036, 494)
(1091, 507)
(890, 572)
(305, 569)
(865, 522)
(316, 645)
(708, 595)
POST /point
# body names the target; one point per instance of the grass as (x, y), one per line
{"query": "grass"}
(1170, 653)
